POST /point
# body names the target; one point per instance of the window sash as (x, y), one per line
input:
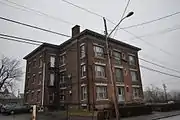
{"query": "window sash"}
(83, 70)
(52, 79)
(84, 92)
(82, 51)
(117, 58)
(119, 74)
(100, 71)
(101, 92)
(132, 60)
(134, 76)
(98, 51)
(62, 59)
(52, 61)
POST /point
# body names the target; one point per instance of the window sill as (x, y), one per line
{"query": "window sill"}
(82, 57)
(84, 100)
(102, 99)
(99, 77)
(83, 77)
(98, 57)
(62, 65)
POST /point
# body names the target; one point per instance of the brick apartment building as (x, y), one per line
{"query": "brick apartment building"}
(75, 72)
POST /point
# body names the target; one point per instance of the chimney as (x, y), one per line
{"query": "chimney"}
(75, 30)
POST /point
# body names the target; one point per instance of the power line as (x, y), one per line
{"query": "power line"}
(160, 32)
(36, 11)
(122, 15)
(16, 37)
(35, 27)
(148, 43)
(158, 71)
(10, 39)
(159, 65)
(82, 8)
(151, 21)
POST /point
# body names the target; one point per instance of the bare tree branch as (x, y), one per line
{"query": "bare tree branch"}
(10, 70)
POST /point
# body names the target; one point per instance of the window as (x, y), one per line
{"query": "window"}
(83, 92)
(101, 92)
(38, 96)
(34, 78)
(62, 78)
(98, 51)
(136, 92)
(52, 78)
(34, 63)
(40, 78)
(117, 58)
(100, 71)
(119, 74)
(32, 95)
(134, 76)
(83, 70)
(62, 60)
(62, 97)
(132, 60)
(120, 90)
(52, 61)
(40, 62)
(51, 98)
(82, 51)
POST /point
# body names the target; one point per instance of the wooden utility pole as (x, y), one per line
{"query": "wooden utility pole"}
(109, 66)
(165, 91)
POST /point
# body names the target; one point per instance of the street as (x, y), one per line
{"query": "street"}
(15, 117)
(172, 118)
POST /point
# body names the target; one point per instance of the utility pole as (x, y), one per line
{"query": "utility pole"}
(165, 91)
(113, 85)
(109, 66)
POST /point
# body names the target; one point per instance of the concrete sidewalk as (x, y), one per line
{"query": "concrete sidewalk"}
(154, 116)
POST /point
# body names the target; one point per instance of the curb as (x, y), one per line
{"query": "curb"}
(165, 116)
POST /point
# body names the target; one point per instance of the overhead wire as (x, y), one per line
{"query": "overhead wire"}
(122, 16)
(11, 39)
(26, 40)
(35, 11)
(158, 71)
(32, 26)
(84, 9)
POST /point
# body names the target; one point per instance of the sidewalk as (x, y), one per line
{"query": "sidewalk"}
(154, 116)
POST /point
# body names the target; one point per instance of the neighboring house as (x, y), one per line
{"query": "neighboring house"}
(76, 72)
(7, 97)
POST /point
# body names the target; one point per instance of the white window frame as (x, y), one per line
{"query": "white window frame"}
(136, 92)
(52, 61)
(103, 91)
(62, 79)
(52, 79)
(132, 77)
(82, 50)
(117, 58)
(83, 69)
(62, 59)
(84, 93)
(133, 57)
(122, 77)
(101, 73)
(98, 51)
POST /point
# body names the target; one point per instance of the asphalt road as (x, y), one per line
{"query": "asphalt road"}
(172, 118)
(15, 117)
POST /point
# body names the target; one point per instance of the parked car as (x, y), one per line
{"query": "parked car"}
(15, 108)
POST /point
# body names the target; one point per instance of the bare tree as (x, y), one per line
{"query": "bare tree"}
(10, 71)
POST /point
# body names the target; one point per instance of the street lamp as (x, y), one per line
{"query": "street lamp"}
(109, 63)
(128, 15)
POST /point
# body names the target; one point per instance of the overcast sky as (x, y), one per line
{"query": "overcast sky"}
(144, 10)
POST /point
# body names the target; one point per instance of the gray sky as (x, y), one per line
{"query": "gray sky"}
(145, 10)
